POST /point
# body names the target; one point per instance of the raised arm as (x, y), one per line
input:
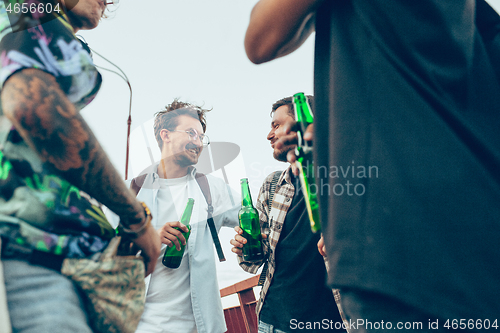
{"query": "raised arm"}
(278, 27)
(42, 114)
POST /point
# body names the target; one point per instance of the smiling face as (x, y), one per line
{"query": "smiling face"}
(85, 14)
(280, 117)
(178, 145)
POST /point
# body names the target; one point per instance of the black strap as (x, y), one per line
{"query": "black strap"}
(272, 190)
(202, 181)
(270, 200)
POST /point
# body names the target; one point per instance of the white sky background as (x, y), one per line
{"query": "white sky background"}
(193, 49)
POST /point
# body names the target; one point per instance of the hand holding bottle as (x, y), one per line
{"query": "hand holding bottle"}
(304, 157)
(250, 225)
(172, 257)
(171, 234)
(239, 241)
(291, 138)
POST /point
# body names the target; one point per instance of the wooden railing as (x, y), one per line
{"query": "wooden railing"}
(242, 318)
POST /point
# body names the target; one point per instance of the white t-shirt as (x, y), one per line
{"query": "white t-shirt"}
(198, 263)
(168, 306)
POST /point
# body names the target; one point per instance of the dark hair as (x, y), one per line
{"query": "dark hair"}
(288, 101)
(167, 118)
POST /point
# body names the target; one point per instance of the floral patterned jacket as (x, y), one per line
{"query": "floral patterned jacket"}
(38, 209)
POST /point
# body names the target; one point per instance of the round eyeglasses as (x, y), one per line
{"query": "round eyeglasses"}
(193, 135)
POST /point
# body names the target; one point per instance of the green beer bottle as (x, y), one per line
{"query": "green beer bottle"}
(304, 153)
(249, 223)
(172, 258)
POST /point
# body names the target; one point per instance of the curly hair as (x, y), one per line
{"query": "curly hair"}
(289, 102)
(167, 118)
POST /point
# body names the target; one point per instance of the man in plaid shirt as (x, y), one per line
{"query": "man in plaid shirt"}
(294, 294)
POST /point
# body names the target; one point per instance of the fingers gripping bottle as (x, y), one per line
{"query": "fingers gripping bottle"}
(250, 224)
(304, 154)
(172, 258)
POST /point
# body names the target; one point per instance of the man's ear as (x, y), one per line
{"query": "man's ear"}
(165, 135)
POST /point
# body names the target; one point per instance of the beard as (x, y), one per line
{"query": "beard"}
(184, 161)
(185, 158)
(280, 155)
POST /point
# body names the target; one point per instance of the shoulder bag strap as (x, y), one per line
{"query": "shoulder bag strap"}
(205, 188)
(137, 183)
(270, 201)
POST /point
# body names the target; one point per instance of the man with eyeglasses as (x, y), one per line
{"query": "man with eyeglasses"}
(185, 299)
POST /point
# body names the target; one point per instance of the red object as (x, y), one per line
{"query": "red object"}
(242, 318)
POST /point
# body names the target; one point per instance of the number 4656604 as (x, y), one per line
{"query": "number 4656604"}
(32, 8)
(471, 324)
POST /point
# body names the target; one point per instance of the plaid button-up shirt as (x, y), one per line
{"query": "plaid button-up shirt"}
(271, 223)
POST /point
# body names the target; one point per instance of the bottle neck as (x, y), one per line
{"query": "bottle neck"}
(303, 112)
(186, 216)
(246, 198)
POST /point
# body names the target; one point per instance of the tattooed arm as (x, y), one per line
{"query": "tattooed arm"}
(33, 101)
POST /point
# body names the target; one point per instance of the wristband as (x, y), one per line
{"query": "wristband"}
(133, 234)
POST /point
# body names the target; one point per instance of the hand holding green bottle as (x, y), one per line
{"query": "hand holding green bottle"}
(248, 216)
(239, 241)
(177, 238)
(300, 134)
(291, 138)
(171, 234)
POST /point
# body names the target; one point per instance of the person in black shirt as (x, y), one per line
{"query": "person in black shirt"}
(411, 88)
(294, 295)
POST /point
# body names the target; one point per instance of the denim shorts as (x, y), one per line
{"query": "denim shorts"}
(41, 300)
(266, 328)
